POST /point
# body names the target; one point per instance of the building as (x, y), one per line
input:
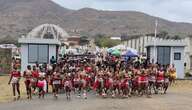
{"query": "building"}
(139, 42)
(188, 53)
(41, 44)
(168, 52)
(74, 40)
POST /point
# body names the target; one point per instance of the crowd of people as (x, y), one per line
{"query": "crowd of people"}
(106, 76)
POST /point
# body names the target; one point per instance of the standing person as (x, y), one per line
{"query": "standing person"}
(14, 80)
(68, 87)
(41, 85)
(28, 78)
(172, 73)
(35, 76)
(43, 76)
(56, 82)
(53, 60)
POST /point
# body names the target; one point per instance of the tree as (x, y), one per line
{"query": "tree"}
(177, 37)
(84, 40)
(163, 34)
(106, 42)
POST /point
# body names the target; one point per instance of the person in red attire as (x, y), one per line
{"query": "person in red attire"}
(160, 75)
(28, 78)
(35, 75)
(68, 87)
(15, 76)
(56, 82)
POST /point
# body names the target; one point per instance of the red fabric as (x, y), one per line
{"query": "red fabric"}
(15, 74)
(40, 84)
(142, 79)
(96, 84)
(107, 83)
(88, 69)
(113, 58)
(125, 83)
(35, 74)
(160, 75)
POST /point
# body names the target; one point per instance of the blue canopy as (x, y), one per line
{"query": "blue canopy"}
(130, 53)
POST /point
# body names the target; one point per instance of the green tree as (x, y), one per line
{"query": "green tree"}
(103, 41)
(177, 37)
(163, 34)
(84, 40)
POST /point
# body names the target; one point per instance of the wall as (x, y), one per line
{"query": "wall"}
(151, 54)
(188, 52)
(179, 64)
(139, 43)
(24, 55)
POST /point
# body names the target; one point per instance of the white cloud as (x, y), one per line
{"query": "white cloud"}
(175, 10)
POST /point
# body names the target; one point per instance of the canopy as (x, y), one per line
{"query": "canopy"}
(6, 46)
(74, 51)
(116, 53)
(110, 50)
(120, 47)
(131, 53)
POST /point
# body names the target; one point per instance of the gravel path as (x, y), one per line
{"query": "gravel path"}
(174, 100)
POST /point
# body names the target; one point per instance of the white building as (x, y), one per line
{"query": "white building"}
(168, 52)
(139, 43)
(188, 53)
(41, 44)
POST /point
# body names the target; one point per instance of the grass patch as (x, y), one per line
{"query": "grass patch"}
(6, 90)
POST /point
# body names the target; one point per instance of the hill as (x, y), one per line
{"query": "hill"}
(18, 17)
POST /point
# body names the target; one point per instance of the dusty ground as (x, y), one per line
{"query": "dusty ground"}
(179, 97)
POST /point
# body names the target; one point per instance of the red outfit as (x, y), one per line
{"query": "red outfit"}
(107, 83)
(142, 79)
(88, 69)
(35, 74)
(124, 83)
(40, 84)
(16, 74)
(160, 76)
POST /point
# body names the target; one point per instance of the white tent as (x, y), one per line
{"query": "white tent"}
(124, 48)
(120, 47)
(6, 46)
(70, 50)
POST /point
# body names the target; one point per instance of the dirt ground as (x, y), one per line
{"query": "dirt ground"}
(179, 97)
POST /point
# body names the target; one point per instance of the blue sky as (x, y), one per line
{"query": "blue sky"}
(174, 10)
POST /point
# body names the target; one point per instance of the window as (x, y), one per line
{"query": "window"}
(177, 56)
(163, 55)
(33, 53)
(38, 53)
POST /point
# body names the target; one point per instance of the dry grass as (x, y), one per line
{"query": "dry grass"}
(6, 91)
(182, 86)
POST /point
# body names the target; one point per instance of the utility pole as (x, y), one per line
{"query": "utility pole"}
(155, 37)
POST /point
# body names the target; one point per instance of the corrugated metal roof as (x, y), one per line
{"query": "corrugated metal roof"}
(175, 43)
(39, 41)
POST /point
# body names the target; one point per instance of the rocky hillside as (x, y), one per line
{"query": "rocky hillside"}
(18, 17)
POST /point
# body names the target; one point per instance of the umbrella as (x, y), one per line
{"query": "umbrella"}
(110, 50)
(116, 53)
(131, 53)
